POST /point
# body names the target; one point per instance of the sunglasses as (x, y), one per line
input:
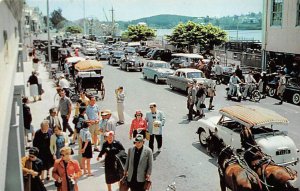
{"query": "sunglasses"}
(151, 107)
(64, 155)
(138, 115)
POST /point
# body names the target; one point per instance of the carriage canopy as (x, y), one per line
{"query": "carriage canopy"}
(250, 115)
(88, 65)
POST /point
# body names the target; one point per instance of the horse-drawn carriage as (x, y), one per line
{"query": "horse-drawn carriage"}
(88, 77)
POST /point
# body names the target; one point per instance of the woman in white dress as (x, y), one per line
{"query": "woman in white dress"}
(33, 82)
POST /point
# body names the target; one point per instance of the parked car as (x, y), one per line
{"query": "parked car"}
(115, 56)
(150, 51)
(181, 78)
(292, 91)
(102, 54)
(143, 50)
(131, 62)
(261, 121)
(161, 54)
(129, 50)
(182, 60)
(76, 46)
(157, 70)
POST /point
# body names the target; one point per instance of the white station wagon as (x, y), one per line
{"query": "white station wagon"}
(273, 142)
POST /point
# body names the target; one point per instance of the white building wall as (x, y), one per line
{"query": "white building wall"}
(284, 38)
(8, 62)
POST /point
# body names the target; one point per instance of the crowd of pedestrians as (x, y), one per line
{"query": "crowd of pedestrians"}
(94, 130)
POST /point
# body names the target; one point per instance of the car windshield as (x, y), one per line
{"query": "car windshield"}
(161, 65)
(105, 51)
(194, 75)
(119, 54)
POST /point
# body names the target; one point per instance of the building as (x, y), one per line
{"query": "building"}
(281, 34)
(11, 90)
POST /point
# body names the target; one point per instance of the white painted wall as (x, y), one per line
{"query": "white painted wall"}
(285, 38)
(8, 62)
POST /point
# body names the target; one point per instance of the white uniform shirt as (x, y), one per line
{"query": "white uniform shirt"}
(63, 83)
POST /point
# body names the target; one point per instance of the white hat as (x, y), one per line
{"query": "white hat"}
(153, 103)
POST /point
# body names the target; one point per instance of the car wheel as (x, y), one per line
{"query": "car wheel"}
(171, 86)
(256, 96)
(145, 77)
(239, 98)
(272, 92)
(127, 69)
(296, 98)
(172, 66)
(202, 138)
(156, 79)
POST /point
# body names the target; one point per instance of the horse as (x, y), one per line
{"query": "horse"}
(234, 174)
(274, 177)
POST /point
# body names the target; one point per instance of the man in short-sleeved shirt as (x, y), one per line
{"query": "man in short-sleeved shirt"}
(92, 112)
(65, 108)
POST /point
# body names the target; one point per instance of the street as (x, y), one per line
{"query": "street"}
(181, 153)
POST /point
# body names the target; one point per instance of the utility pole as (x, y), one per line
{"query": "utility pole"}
(84, 26)
(112, 21)
(49, 44)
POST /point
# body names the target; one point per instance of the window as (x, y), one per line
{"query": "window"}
(298, 13)
(276, 17)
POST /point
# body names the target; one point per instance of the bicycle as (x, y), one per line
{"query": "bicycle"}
(173, 185)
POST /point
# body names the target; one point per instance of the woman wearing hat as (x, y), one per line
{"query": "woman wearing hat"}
(138, 125)
(110, 149)
(32, 168)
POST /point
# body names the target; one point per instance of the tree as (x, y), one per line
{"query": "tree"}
(74, 29)
(138, 33)
(57, 19)
(190, 33)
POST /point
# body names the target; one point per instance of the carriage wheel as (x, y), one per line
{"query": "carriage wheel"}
(102, 91)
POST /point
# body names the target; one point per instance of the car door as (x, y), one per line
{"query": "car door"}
(182, 81)
(174, 80)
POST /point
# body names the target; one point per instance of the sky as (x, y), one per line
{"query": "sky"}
(126, 10)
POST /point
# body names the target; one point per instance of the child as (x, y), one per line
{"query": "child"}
(87, 153)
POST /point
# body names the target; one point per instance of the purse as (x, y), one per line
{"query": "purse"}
(124, 184)
(202, 105)
(57, 184)
(147, 185)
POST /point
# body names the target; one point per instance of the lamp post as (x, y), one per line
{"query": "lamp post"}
(84, 26)
(49, 45)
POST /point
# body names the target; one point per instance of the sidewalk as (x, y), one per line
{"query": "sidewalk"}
(40, 110)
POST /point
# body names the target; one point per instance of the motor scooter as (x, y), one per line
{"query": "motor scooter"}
(236, 92)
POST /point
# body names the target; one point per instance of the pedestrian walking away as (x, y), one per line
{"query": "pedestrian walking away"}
(138, 167)
(218, 72)
(27, 118)
(85, 140)
(65, 108)
(57, 141)
(42, 142)
(155, 123)
(33, 82)
(66, 171)
(32, 168)
(281, 86)
(138, 125)
(120, 104)
(64, 84)
(110, 149)
(93, 112)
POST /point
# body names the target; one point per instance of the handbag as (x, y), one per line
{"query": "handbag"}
(124, 184)
(57, 184)
(202, 105)
(147, 185)
(147, 135)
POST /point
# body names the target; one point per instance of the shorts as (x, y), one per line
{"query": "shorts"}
(94, 129)
(31, 130)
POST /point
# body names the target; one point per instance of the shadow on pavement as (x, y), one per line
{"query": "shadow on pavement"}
(198, 146)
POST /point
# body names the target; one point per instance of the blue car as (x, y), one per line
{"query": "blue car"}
(156, 70)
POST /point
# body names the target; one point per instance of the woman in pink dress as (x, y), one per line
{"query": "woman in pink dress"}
(138, 125)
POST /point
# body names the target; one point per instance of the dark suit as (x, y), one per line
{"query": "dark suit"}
(144, 167)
